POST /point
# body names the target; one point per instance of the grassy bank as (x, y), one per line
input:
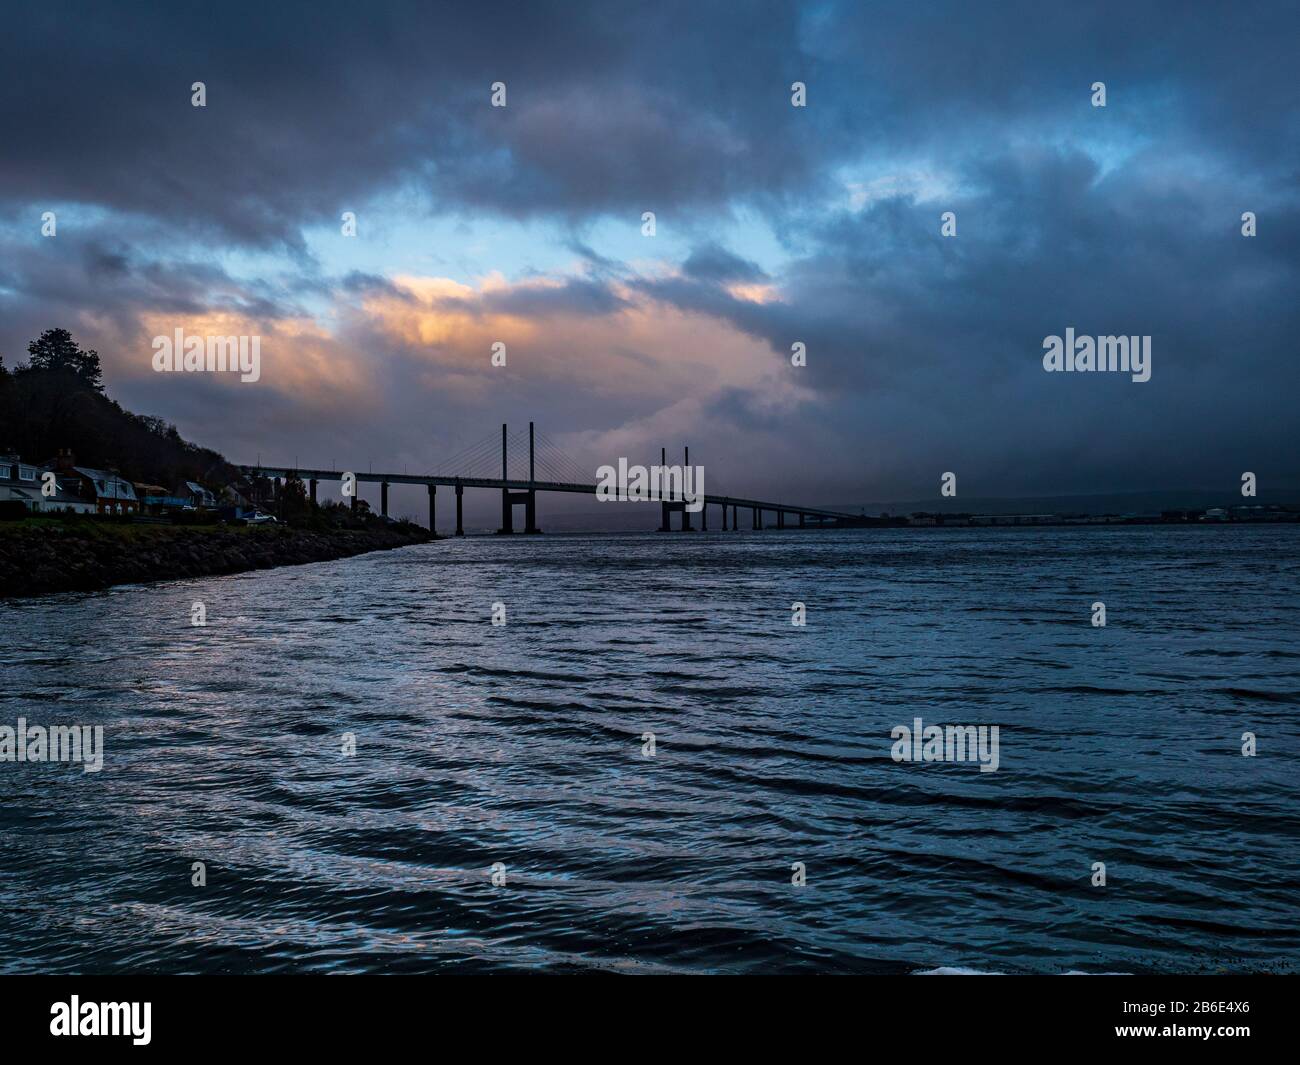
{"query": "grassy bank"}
(42, 555)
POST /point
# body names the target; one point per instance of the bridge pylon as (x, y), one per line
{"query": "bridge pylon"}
(527, 498)
(669, 507)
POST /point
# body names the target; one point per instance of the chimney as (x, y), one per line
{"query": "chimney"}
(65, 460)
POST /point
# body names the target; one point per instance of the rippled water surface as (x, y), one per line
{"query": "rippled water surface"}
(521, 744)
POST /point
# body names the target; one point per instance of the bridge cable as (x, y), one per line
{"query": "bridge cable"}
(467, 455)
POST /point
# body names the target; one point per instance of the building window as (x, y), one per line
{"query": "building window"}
(26, 473)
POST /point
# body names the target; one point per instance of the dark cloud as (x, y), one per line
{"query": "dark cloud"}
(931, 348)
(578, 295)
(311, 109)
(714, 263)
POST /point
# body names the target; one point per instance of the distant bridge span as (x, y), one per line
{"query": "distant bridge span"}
(523, 492)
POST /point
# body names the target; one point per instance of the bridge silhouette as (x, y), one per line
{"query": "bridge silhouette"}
(522, 491)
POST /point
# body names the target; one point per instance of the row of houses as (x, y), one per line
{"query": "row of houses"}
(86, 490)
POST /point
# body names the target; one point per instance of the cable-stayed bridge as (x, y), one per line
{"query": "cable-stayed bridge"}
(475, 467)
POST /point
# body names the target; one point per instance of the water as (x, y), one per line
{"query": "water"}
(522, 745)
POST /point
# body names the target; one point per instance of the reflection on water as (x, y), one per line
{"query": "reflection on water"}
(522, 744)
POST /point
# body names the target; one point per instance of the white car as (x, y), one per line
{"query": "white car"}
(258, 518)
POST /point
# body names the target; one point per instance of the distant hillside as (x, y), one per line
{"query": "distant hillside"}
(1152, 502)
(56, 402)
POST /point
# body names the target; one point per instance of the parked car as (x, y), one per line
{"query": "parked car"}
(258, 518)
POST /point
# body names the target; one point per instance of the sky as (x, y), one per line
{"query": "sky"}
(774, 225)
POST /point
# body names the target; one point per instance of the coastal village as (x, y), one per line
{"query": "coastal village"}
(61, 486)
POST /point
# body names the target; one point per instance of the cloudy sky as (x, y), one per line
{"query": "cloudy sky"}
(774, 225)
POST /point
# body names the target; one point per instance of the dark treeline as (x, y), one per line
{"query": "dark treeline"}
(56, 400)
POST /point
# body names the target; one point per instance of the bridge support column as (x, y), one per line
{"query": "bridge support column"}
(433, 498)
(664, 524)
(780, 519)
(460, 527)
(802, 516)
(724, 517)
(686, 514)
(507, 514)
(530, 507)
(509, 500)
(313, 491)
(383, 498)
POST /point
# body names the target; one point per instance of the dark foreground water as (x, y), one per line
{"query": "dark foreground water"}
(522, 745)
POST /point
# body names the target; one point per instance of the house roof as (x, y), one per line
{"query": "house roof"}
(11, 472)
(100, 475)
(112, 485)
(60, 497)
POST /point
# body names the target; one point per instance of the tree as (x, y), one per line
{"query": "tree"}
(56, 350)
(293, 499)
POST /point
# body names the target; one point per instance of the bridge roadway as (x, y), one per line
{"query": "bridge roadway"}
(523, 492)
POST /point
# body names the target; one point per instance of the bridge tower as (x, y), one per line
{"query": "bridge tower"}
(530, 510)
(528, 497)
(667, 507)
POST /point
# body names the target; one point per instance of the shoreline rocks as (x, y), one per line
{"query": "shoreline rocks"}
(90, 557)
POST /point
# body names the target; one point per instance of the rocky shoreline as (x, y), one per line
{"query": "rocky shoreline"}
(91, 556)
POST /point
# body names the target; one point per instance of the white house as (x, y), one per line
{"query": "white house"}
(24, 482)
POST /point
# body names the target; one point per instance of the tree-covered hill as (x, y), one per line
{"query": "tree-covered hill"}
(56, 401)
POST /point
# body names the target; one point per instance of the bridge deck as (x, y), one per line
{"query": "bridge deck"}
(525, 486)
